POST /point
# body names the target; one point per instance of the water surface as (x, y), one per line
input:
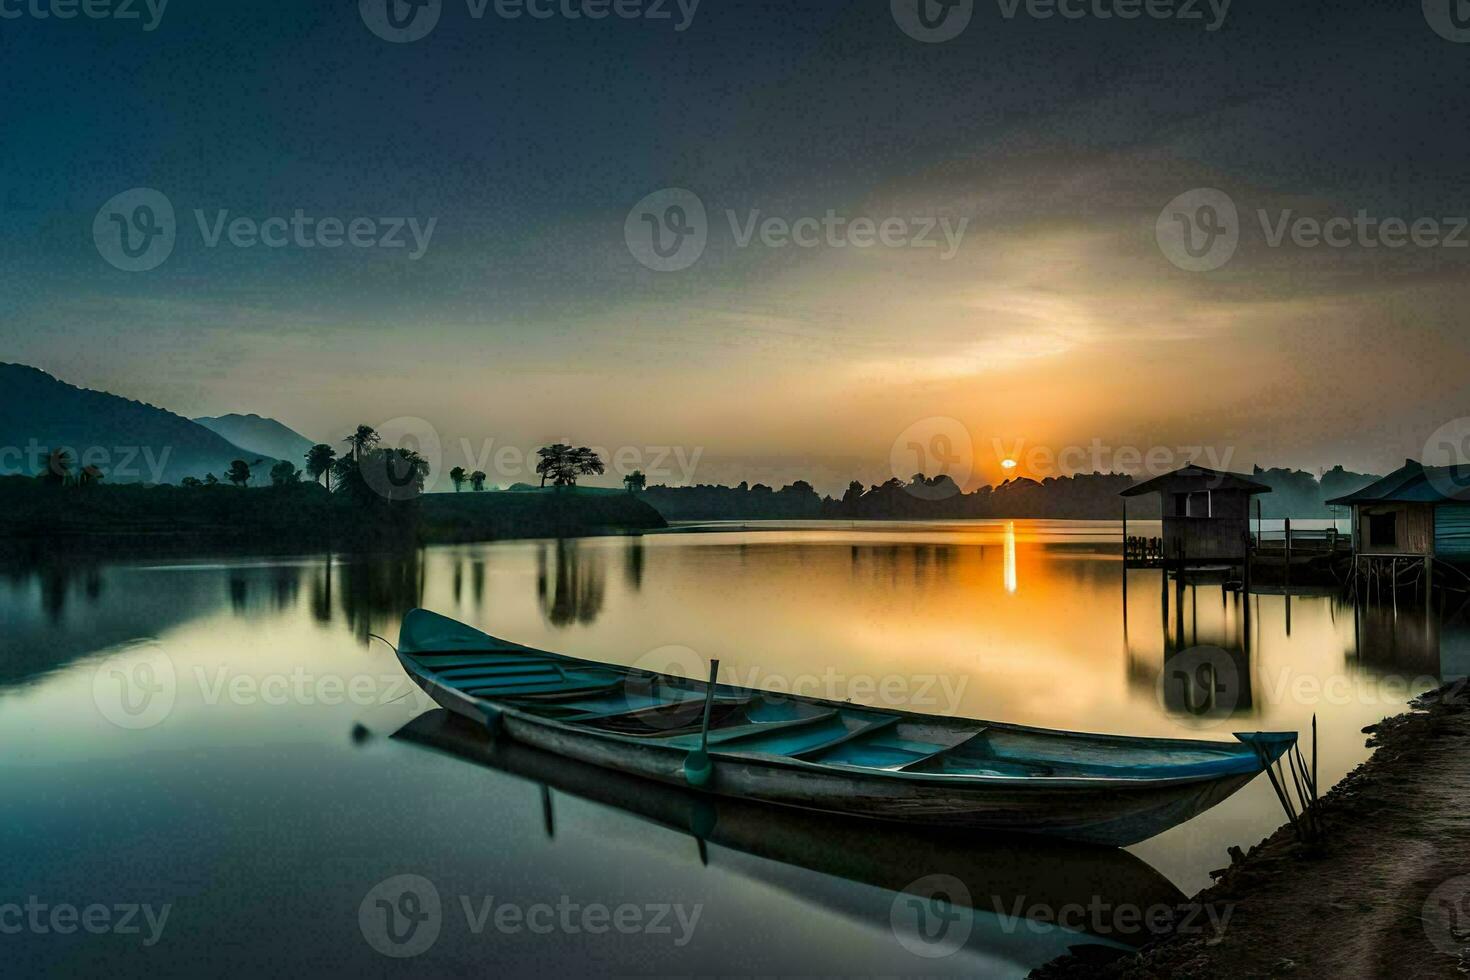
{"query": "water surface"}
(222, 735)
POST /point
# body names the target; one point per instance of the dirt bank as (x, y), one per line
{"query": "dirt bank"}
(1382, 897)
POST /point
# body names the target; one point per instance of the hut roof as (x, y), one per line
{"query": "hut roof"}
(1414, 483)
(1193, 477)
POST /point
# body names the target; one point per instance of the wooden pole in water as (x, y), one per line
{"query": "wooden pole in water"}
(1288, 554)
(1428, 583)
(1125, 566)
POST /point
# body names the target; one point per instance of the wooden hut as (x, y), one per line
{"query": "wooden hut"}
(1415, 512)
(1206, 515)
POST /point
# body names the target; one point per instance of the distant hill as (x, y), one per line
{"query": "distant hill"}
(259, 435)
(128, 441)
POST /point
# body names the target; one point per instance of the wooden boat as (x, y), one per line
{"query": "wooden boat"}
(1011, 872)
(824, 755)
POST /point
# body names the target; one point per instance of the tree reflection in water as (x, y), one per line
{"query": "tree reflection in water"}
(574, 589)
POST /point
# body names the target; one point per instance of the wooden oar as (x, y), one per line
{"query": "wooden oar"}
(697, 767)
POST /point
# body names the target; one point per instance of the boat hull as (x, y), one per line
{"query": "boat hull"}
(1105, 811)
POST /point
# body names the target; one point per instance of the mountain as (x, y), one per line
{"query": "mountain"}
(261, 436)
(129, 441)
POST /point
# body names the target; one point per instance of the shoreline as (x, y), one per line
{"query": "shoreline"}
(1386, 893)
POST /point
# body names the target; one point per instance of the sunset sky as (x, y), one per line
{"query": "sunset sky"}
(1058, 320)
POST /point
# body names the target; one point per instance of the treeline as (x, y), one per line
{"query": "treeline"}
(1086, 496)
(713, 502)
(1083, 497)
(370, 497)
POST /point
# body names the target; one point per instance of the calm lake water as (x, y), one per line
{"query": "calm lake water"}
(219, 741)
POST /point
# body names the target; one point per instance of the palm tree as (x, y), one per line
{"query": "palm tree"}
(477, 480)
(457, 476)
(635, 481)
(319, 461)
(239, 472)
(363, 439)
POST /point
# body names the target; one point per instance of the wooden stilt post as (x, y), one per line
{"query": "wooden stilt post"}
(1288, 554)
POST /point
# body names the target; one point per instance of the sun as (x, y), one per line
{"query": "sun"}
(1008, 464)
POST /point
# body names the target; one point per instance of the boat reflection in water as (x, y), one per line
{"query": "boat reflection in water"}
(938, 891)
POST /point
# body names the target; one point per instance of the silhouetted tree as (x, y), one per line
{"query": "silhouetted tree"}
(210, 480)
(382, 474)
(457, 476)
(477, 480)
(586, 463)
(57, 470)
(284, 473)
(635, 481)
(192, 482)
(364, 438)
(90, 476)
(554, 461)
(319, 461)
(239, 472)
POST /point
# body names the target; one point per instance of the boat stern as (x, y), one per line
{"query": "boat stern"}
(1268, 746)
